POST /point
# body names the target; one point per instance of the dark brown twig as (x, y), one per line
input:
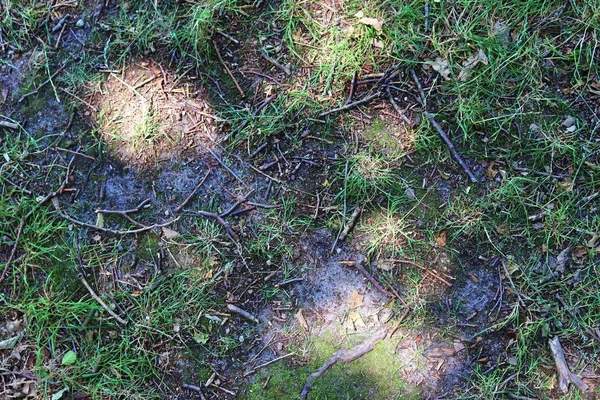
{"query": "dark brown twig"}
(115, 231)
(366, 274)
(450, 146)
(351, 105)
(427, 270)
(441, 132)
(187, 199)
(14, 250)
(195, 389)
(99, 300)
(227, 168)
(237, 204)
(343, 356)
(230, 232)
(237, 85)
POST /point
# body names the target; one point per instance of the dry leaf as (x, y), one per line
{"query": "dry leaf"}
(491, 172)
(170, 233)
(356, 300)
(561, 260)
(356, 320)
(579, 252)
(301, 320)
(441, 66)
(441, 239)
(374, 22)
(471, 63)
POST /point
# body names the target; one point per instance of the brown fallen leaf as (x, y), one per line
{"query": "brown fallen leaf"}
(356, 300)
(471, 63)
(170, 233)
(301, 320)
(440, 66)
(374, 22)
(355, 320)
(561, 260)
(441, 239)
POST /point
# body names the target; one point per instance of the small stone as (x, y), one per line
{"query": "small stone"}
(568, 122)
(80, 23)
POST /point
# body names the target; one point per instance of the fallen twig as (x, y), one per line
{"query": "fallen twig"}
(343, 356)
(237, 204)
(351, 223)
(187, 199)
(196, 389)
(358, 265)
(63, 185)
(399, 111)
(124, 212)
(441, 132)
(43, 83)
(237, 85)
(115, 231)
(99, 300)
(565, 376)
(253, 370)
(234, 237)
(76, 153)
(276, 63)
(243, 313)
(14, 250)
(427, 270)
(227, 168)
(351, 105)
(9, 125)
(450, 146)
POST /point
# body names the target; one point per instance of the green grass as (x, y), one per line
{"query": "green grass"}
(540, 56)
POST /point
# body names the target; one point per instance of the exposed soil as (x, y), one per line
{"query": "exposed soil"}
(161, 140)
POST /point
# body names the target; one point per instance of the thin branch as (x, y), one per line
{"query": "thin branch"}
(115, 231)
(343, 356)
(237, 85)
(366, 274)
(14, 250)
(427, 270)
(227, 168)
(351, 105)
(187, 199)
(243, 313)
(99, 300)
(234, 237)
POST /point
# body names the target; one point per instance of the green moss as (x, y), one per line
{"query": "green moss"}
(376, 375)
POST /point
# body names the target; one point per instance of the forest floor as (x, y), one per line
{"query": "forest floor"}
(207, 200)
